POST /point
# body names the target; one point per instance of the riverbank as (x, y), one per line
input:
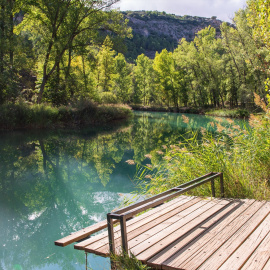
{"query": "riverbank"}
(167, 109)
(34, 116)
(224, 112)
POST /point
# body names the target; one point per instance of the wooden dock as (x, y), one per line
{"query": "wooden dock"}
(188, 233)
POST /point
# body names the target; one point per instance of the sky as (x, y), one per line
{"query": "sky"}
(223, 9)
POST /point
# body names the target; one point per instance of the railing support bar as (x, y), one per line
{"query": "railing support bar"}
(110, 233)
(213, 188)
(221, 185)
(124, 233)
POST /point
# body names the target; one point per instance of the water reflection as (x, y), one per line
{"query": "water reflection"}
(54, 183)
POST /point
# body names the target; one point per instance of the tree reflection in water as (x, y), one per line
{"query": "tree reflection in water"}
(54, 183)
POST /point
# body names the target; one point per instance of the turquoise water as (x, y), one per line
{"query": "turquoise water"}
(53, 183)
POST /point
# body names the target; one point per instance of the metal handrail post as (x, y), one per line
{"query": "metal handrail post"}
(123, 225)
(221, 185)
(213, 188)
(110, 233)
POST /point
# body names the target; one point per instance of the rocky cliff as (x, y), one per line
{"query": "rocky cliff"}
(154, 31)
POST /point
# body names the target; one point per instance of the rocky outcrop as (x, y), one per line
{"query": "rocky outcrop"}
(153, 27)
(176, 28)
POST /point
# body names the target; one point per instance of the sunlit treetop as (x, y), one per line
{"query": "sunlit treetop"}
(259, 19)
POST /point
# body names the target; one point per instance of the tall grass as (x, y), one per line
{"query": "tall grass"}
(233, 113)
(126, 262)
(243, 155)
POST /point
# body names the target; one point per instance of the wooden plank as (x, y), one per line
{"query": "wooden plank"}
(242, 243)
(241, 255)
(197, 251)
(101, 247)
(267, 265)
(204, 248)
(85, 232)
(181, 231)
(260, 257)
(170, 208)
(168, 252)
(163, 230)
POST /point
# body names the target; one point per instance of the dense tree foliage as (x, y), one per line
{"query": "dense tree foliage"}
(144, 80)
(259, 20)
(72, 49)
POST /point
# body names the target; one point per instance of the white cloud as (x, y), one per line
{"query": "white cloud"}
(223, 9)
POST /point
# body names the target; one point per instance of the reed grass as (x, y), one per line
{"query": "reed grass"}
(232, 113)
(242, 154)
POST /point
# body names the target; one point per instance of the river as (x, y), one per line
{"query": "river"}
(53, 183)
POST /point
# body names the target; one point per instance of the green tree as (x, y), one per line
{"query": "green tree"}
(8, 78)
(210, 52)
(143, 72)
(187, 56)
(171, 78)
(122, 79)
(105, 66)
(56, 25)
(259, 19)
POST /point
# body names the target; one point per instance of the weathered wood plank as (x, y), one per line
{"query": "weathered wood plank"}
(146, 219)
(216, 220)
(171, 236)
(146, 239)
(156, 230)
(260, 256)
(195, 253)
(199, 257)
(85, 232)
(242, 243)
(241, 255)
(182, 210)
(267, 265)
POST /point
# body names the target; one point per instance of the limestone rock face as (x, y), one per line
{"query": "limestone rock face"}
(153, 30)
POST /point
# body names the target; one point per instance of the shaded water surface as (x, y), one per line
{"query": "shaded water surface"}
(54, 183)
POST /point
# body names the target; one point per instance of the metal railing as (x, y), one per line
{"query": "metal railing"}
(128, 212)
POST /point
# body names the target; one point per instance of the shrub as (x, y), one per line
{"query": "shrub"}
(243, 113)
(108, 98)
(124, 262)
(111, 112)
(84, 112)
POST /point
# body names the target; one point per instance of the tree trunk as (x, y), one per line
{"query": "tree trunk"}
(84, 75)
(2, 37)
(41, 90)
(11, 34)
